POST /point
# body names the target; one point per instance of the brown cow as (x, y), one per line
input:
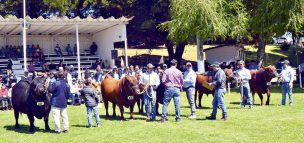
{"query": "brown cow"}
(259, 80)
(120, 92)
(200, 79)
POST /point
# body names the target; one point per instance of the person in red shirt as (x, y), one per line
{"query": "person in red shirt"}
(4, 96)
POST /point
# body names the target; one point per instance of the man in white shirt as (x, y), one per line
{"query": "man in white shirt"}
(114, 73)
(189, 87)
(287, 76)
(150, 80)
(244, 76)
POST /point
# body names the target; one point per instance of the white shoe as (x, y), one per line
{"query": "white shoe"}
(192, 117)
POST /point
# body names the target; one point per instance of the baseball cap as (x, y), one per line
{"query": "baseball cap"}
(286, 62)
(150, 65)
(215, 64)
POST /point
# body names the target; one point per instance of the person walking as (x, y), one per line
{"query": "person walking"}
(287, 76)
(173, 80)
(60, 90)
(150, 80)
(91, 101)
(189, 87)
(244, 76)
(219, 84)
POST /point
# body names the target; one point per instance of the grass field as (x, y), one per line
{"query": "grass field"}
(265, 124)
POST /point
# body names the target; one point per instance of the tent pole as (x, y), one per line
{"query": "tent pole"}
(126, 46)
(78, 52)
(24, 37)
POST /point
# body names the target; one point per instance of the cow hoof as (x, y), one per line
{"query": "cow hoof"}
(32, 130)
(48, 129)
(17, 126)
(123, 119)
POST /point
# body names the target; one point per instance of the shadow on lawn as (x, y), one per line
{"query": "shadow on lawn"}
(23, 129)
(117, 118)
(255, 104)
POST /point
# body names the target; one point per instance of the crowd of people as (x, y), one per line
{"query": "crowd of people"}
(73, 51)
(65, 83)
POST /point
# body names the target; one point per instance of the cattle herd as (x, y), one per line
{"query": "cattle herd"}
(31, 97)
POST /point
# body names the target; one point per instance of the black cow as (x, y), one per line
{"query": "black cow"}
(31, 98)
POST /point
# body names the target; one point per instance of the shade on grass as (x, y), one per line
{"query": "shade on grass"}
(272, 123)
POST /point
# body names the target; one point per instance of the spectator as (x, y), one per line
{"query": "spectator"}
(173, 80)
(98, 75)
(10, 64)
(150, 80)
(68, 76)
(137, 70)
(73, 72)
(91, 101)
(164, 67)
(52, 66)
(61, 92)
(189, 87)
(58, 50)
(31, 68)
(125, 73)
(9, 78)
(4, 96)
(75, 49)
(74, 92)
(287, 76)
(69, 50)
(61, 64)
(115, 73)
(97, 63)
(132, 71)
(253, 65)
(93, 48)
(26, 76)
(86, 74)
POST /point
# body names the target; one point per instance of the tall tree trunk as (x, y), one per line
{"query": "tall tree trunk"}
(169, 46)
(179, 51)
(261, 52)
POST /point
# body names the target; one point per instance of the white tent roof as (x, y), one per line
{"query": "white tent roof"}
(11, 25)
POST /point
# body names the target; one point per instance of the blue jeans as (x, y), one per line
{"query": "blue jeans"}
(89, 113)
(246, 94)
(171, 92)
(190, 96)
(73, 95)
(219, 101)
(286, 90)
(150, 99)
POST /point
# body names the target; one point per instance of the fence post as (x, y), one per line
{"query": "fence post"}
(300, 76)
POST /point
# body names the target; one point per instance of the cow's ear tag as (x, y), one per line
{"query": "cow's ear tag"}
(40, 103)
(130, 97)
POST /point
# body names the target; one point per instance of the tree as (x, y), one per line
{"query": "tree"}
(270, 18)
(206, 19)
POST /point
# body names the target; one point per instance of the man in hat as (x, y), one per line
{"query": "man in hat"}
(189, 87)
(114, 73)
(173, 80)
(287, 76)
(244, 76)
(150, 80)
(219, 83)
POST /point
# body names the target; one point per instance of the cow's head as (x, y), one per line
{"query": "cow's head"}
(131, 85)
(38, 87)
(270, 71)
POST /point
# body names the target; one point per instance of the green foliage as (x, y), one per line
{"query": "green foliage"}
(275, 17)
(206, 18)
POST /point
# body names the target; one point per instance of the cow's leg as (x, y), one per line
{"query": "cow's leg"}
(195, 97)
(114, 111)
(131, 111)
(122, 112)
(200, 100)
(106, 103)
(268, 97)
(261, 97)
(142, 104)
(16, 112)
(253, 100)
(31, 119)
(46, 123)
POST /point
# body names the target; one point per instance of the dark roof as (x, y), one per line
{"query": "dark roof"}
(223, 45)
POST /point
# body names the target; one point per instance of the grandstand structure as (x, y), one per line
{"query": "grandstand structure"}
(48, 32)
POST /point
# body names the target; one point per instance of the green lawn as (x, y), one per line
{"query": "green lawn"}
(272, 123)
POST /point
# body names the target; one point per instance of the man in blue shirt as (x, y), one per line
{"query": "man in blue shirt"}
(244, 76)
(189, 87)
(219, 83)
(287, 76)
(60, 93)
